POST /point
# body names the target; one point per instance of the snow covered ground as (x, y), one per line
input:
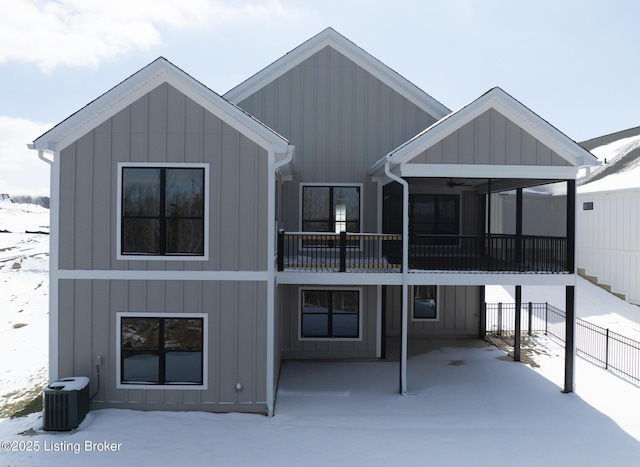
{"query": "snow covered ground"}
(24, 264)
(466, 405)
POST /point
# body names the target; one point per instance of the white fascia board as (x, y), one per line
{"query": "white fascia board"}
(338, 278)
(423, 277)
(331, 38)
(480, 278)
(542, 172)
(135, 87)
(120, 274)
(513, 110)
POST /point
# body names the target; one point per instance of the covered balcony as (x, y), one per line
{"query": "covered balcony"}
(472, 225)
(348, 252)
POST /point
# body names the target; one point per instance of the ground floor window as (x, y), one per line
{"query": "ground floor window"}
(425, 302)
(161, 350)
(330, 314)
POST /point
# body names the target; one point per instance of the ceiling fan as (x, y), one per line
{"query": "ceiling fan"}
(452, 184)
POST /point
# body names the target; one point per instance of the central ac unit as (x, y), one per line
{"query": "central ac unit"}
(66, 403)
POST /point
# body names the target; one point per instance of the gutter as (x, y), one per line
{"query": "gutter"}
(405, 272)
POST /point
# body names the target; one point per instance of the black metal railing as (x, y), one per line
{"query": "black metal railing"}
(612, 351)
(339, 252)
(504, 253)
(357, 251)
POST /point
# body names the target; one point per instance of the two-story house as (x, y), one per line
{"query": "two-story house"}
(325, 203)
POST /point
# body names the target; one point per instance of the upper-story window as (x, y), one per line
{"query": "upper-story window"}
(434, 214)
(163, 211)
(330, 208)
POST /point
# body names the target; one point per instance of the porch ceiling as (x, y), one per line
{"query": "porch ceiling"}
(480, 185)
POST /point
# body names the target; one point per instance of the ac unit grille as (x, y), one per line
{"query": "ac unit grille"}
(64, 408)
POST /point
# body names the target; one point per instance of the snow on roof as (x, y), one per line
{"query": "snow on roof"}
(622, 170)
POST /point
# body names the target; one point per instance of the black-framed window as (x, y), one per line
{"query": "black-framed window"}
(163, 211)
(425, 302)
(330, 208)
(330, 314)
(587, 206)
(434, 214)
(161, 350)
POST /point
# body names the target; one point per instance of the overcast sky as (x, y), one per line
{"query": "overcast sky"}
(575, 63)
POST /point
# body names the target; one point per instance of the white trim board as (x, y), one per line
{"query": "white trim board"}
(113, 274)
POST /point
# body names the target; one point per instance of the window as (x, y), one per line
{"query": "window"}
(434, 215)
(330, 208)
(166, 350)
(162, 211)
(330, 314)
(588, 206)
(425, 302)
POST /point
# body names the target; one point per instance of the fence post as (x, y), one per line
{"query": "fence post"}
(546, 318)
(530, 313)
(343, 251)
(499, 318)
(606, 352)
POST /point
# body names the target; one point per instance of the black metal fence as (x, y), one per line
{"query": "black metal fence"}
(611, 350)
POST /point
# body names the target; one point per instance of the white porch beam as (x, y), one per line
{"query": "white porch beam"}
(488, 171)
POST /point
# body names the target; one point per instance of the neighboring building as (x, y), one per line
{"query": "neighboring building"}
(193, 249)
(608, 244)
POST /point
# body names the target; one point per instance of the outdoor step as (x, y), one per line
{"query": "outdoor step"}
(594, 280)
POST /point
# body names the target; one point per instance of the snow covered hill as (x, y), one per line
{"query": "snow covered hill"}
(24, 263)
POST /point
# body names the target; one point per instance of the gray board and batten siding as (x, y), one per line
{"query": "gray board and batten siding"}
(165, 126)
(490, 139)
(458, 314)
(341, 120)
(236, 341)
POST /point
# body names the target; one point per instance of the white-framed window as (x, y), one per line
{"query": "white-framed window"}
(434, 215)
(331, 207)
(330, 314)
(162, 211)
(161, 350)
(424, 303)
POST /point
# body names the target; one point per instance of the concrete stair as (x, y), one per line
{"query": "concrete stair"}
(594, 280)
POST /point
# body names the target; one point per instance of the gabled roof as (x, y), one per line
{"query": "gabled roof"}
(330, 38)
(505, 104)
(140, 83)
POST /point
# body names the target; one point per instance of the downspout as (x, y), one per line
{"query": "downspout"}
(41, 155)
(271, 278)
(405, 273)
(54, 173)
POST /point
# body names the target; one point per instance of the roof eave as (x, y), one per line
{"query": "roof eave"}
(138, 84)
